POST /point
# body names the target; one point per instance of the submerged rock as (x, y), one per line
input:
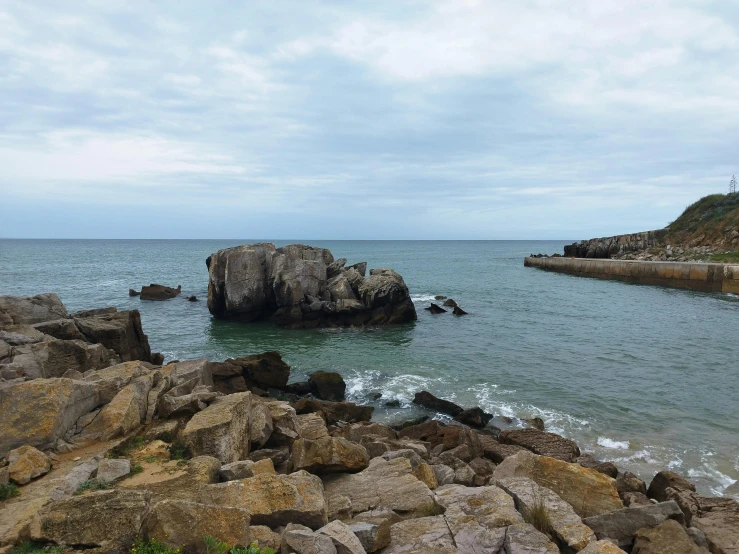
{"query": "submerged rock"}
(159, 292)
(302, 286)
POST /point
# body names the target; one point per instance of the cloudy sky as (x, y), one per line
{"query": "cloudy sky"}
(495, 119)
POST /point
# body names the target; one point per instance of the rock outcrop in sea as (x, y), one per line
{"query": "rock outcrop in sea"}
(301, 287)
(110, 459)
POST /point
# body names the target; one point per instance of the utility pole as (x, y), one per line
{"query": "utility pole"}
(732, 185)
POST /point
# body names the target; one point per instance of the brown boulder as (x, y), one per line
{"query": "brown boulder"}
(327, 385)
(334, 412)
(159, 292)
(542, 443)
(265, 370)
(121, 332)
(26, 463)
(28, 310)
(329, 454)
(669, 537)
(668, 479)
(431, 402)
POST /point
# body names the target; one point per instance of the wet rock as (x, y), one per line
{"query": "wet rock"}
(265, 370)
(458, 311)
(119, 516)
(334, 412)
(344, 539)
(431, 402)
(274, 500)
(26, 463)
(329, 454)
(449, 303)
(40, 412)
(159, 292)
(628, 482)
(590, 493)
(425, 535)
(536, 423)
(222, 429)
(622, 525)
(112, 470)
(327, 385)
(132, 293)
(496, 452)
(383, 484)
(606, 468)
(192, 298)
(435, 309)
(474, 417)
(668, 479)
(183, 524)
(565, 523)
(669, 537)
(544, 444)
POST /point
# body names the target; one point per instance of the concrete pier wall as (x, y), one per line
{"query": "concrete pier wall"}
(703, 277)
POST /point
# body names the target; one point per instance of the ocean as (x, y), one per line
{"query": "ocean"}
(642, 376)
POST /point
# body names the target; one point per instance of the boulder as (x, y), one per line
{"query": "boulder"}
(62, 329)
(118, 518)
(329, 454)
(183, 524)
(159, 292)
(445, 475)
(496, 452)
(406, 453)
(606, 468)
(435, 309)
(601, 547)
(628, 482)
(327, 385)
(367, 534)
(424, 535)
(260, 424)
(334, 412)
(264, 370)
(344, 539)
(458, 311)
(669, 537)
(312, 427)
(589, 492)
(112, 470)
(15, 310)
(305, 541)
(449, 303)
(436, 433)
(222, 429)
(245, 469)
(40, 412)
(523, 538)
(109, 381)
(542, 443)
(265, 537)
(668, 479)
(121, 332)
(622, 525)
(428, 400)
(384, 484)
(378, 536)
(566, 525)
(67, 485)
(54, 358)
(274, 500)
(26, 463)
(474, 417)
(426, 474)
(285, 426)
(356, 431)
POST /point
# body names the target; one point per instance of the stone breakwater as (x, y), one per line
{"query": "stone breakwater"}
(101, 459)
(704, 277)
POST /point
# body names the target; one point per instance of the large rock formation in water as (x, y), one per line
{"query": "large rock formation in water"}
(302, 286)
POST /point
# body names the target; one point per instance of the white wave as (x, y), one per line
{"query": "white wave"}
(423, 298)
(605, 442)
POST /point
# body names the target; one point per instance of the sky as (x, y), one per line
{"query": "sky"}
(448, 119)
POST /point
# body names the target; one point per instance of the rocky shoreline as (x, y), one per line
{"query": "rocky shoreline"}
(105, 448)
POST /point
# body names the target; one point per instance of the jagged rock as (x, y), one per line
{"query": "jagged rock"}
(62, 329)
(265, 537)
(40, 412)
(264, 370)
(109, 381)
(406, 453)
(159, 292)
(112, 470)
(669, 537)
(260, 423)
(426, 474)
(285, 423)
(121, 332)
(523, 538)
(356, 431)
(544, 444)
(623, 524)
(496, 452)
(123, 414)
(449, 303)
(668, 479)
(436, 433)
(425, 535)
(222, 429)
(482, 467)
(118, 518)
(245, 469)
(565, 523)
(606, 468)
(458, 311)
(628, 482)
(435, 309)
(312, 427)
(302, 541)
(15, 310)
(344, 539)
(382, 485)
(260, 281)
(183, 524)
(274, 500)
(367, 534)
(477, 517)
(590, 493)
(444, 474)
(26, 463)
(53, 358)
(276, 455)
(428, 400)
(379, 537)
(327, 385)
(334, 412)
(132, 293)
(329, 454)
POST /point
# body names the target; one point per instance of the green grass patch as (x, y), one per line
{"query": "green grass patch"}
(136, 469)
(27, 547)
(178, 451)
(126, 448)
(9, 490)
(216, 546)
(152, 546)
(93, 485)
(725, 258)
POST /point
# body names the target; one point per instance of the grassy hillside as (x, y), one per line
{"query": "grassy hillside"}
(706, 222)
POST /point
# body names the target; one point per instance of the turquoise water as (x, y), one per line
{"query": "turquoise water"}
(643, 376)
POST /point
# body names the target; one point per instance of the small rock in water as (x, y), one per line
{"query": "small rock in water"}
(132, 292)
(440, 297)
(393, 404)
(192, 298)
(435, 309)
(459, 311)
(450, 303)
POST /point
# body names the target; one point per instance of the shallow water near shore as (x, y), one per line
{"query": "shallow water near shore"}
(646, 377)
